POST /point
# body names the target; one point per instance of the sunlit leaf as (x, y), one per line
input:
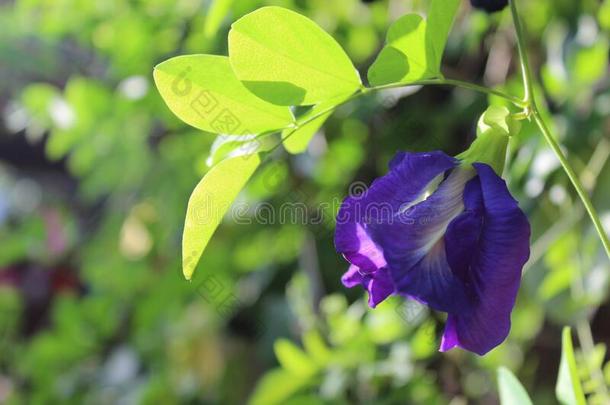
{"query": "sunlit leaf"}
(603, 15)
(37, 98)
(276, 387)
(590, 64)
(316, 347)
(511, 390)
(293, 359)
(414, 46)
(568, 389)
(287, 59)
(202, 90)
(405, 58)
(86, 100)
(440, 20)
(209, 202)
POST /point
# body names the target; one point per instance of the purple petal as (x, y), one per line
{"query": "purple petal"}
(368, 256)
(494, 274)
(352, 277)
(463, 233)
(380, 287)
(378, 284)
(409, 176)
(450, 338)
(414, 248)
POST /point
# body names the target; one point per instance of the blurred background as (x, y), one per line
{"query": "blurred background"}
(95, 175)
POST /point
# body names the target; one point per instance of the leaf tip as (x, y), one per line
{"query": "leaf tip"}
(187, 272)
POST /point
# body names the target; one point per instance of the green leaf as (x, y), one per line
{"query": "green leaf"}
(316, 347)
(405, 58)
(590, 64)
(216, 13)
(603, 15)
(287, 59)
(209, 202)
(568, 389)
(276, 387)
(202, 90)
(293, 359)
(414, 46)
(511, 390)
(440, 20)
(296, 140)
(37, 99)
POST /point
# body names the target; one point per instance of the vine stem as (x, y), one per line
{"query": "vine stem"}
(532, 108)
(441, 81)
(429, 82)
(574, 179)
(456, 83)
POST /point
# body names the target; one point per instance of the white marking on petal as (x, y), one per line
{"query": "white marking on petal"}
(449, 203)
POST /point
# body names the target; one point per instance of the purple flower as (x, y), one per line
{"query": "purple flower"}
(445, 233)
(491, 6)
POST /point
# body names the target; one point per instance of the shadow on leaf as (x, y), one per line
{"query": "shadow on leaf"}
(279, 93)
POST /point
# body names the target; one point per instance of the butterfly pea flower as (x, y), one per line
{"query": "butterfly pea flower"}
(491, 6)
(443, 231)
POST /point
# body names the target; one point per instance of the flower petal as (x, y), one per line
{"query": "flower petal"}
(410, 175)
(494, 274)
(379, 285)
(463, 233)
(414, 247)
(450, 338)
(352, 277)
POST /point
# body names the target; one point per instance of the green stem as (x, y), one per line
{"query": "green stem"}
(456, 83)
(548, 136)
(430, 82)
(525, 65)
(584, 197)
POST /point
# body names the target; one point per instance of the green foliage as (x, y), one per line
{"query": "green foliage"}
(284, 58)
(276, 387)
(208, 204)
(511, 390)
(405, 58)
(293, 359)
(104, 207)
(203, 91)
(287, 59)
(216, 13)
(568, 390)
(414, 46)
